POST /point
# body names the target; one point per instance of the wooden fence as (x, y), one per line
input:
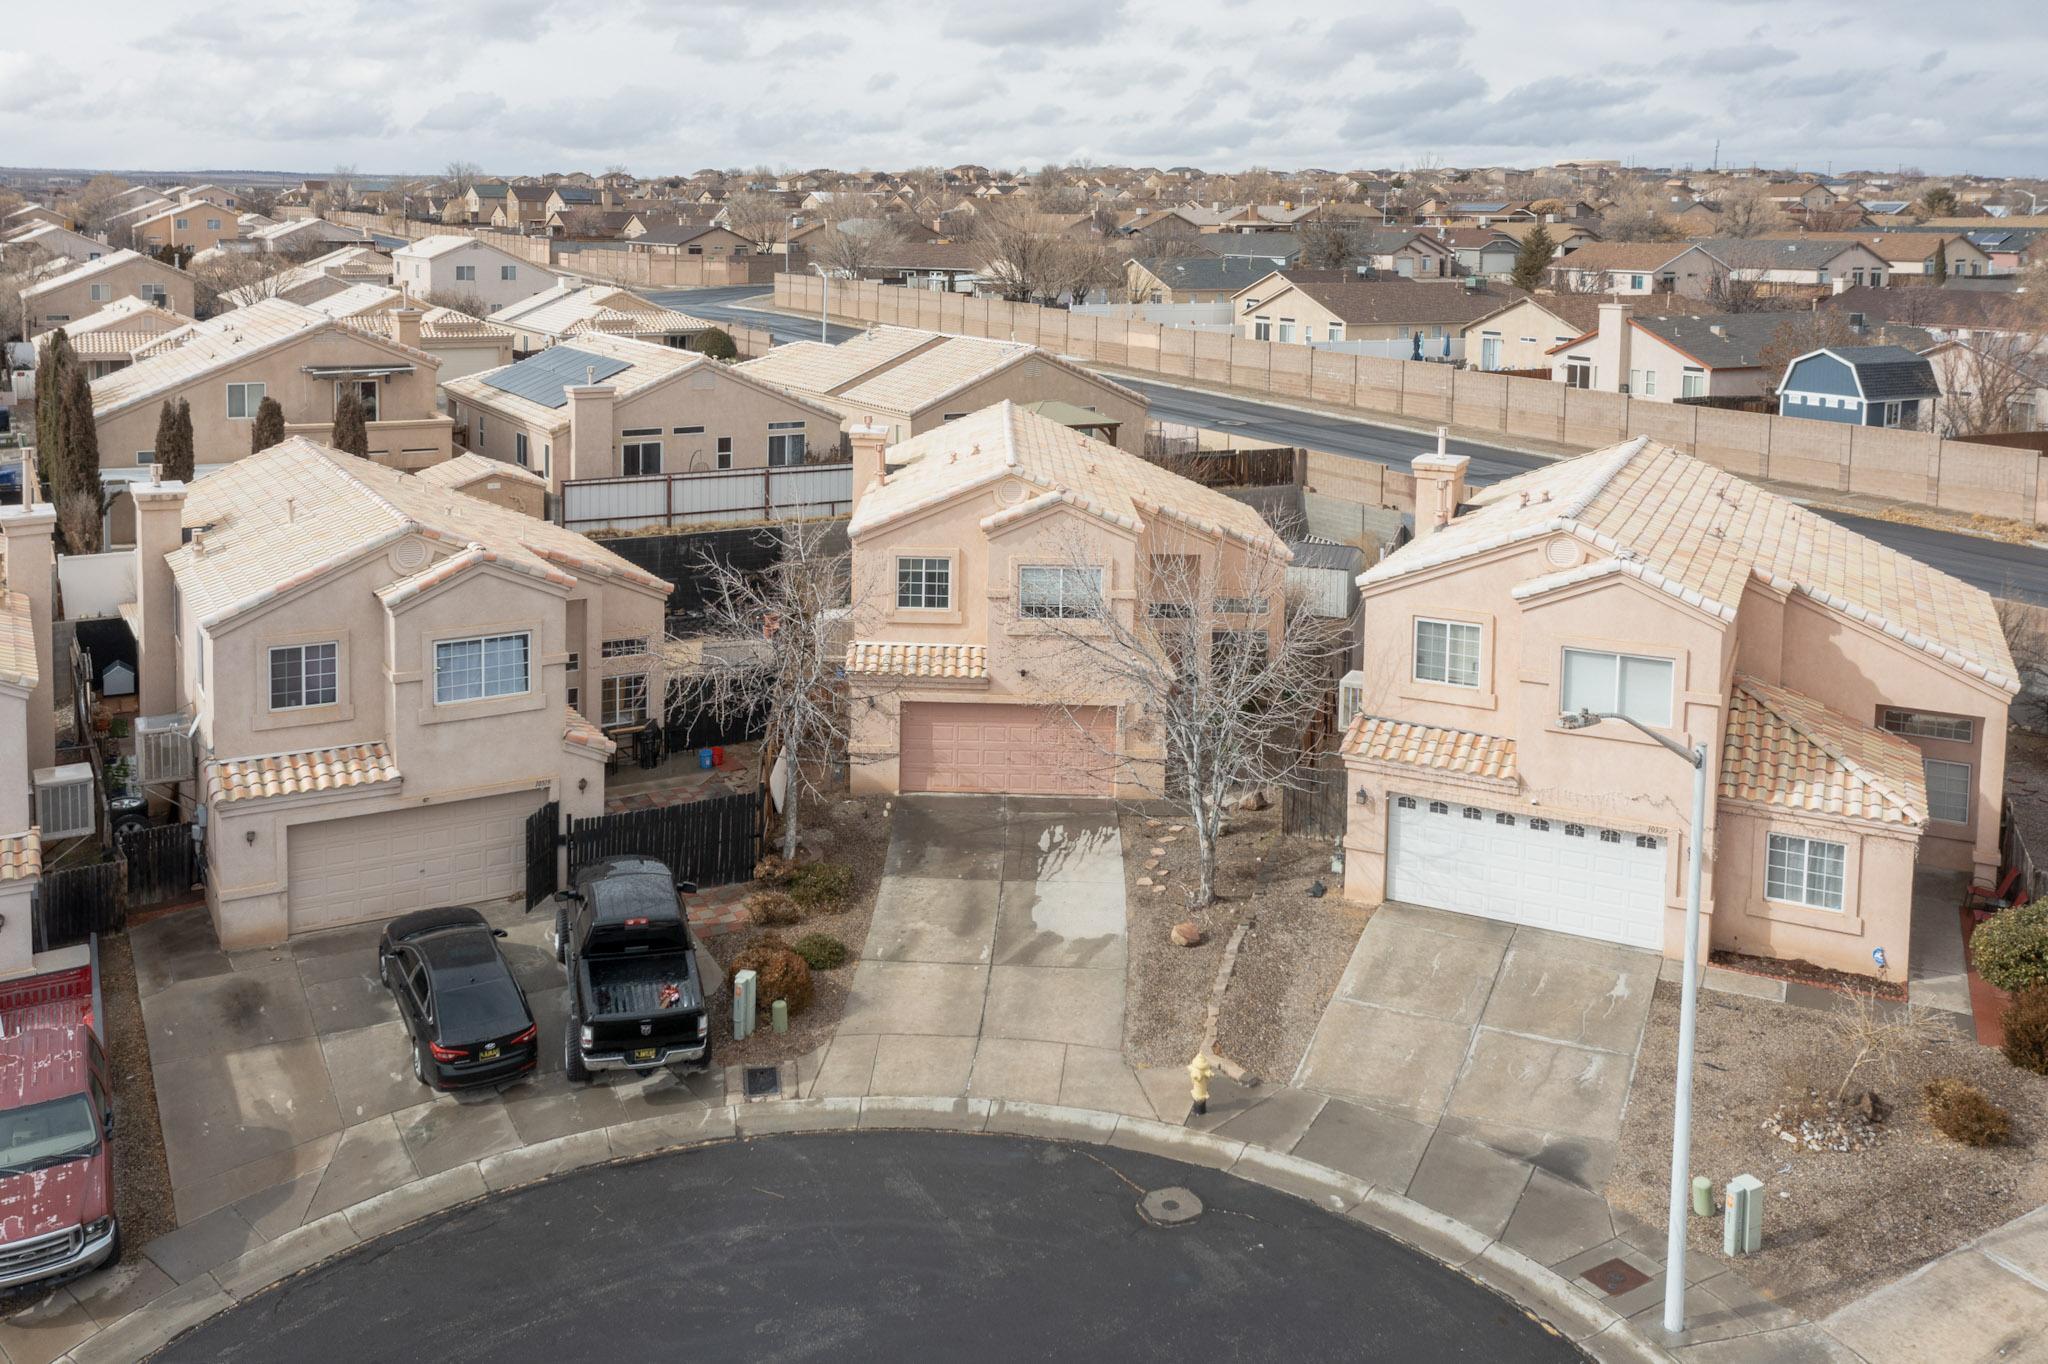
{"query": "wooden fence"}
(1314, 804)
(73, 903)
(712, 842)
(165, 864)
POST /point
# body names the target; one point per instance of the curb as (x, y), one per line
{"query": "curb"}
(1550, 1299)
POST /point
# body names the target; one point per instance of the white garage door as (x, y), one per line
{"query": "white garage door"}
(1545, 873)
(375, 867)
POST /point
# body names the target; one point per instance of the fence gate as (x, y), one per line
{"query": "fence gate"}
(73, 903)
(543, 837)
(712, 842)
(1314, 803)
(164, 863)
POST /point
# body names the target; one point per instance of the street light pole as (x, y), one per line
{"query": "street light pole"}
(1688, 1015)
(825, 310)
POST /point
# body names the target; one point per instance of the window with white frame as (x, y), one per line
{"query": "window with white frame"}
(1692, 383)
(1262, 329)
(1649, 389)
(182, 224)
(623, 699)
(1447, 651)
(465, 274)
(1920, 725)
(638, 457)
(213, 224)
(924, 584)
(474, 669)
(1805, 871)
(243, 400)
(1055, 592)
(1618, 684)
(785, 444)
(508, 272)
(145, 458)
(626, 647)
(1948, 791)
(302, 675)
(98, 292)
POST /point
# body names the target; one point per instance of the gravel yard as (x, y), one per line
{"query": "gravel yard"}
(1294, 948)
(142, 1179)
(849, 830)
(1836, 1224)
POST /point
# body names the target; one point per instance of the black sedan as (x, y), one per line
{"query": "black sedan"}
(466, 1014)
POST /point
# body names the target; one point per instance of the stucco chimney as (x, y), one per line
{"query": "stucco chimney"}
(405, 326)
(590, 434)
(1611, 347)
(30, 565)
(1439, 488)
(868, 440)
(159, 511)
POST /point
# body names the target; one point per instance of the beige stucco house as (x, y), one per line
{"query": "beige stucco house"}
(1639, 268)
(1305, 310)
(193, 226)
(115, 336)
(464, 344)
(490, 480)
(570, 310)
(614, 407)
(966, 541)
(910, 381)
(458, 264)
(59, 241)
(92, 285)
(1658, 356)
(1852, 701)
(385, 678)
(225, 367)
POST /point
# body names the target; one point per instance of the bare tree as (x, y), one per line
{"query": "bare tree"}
(341, 187)
(94, 200)
(1026, 261)
(235, 279)
(1222, 667)
(761, 218)
(1802, 332)
(1879, 1034)
(855, 246)
(1988, 381)
(1747, 210)
(459, 177)
(20, 265)
(1636, 215)
(584, 221)
(1329, 244)
(774, 645)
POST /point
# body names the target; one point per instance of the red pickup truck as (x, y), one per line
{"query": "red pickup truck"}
(56, 1123)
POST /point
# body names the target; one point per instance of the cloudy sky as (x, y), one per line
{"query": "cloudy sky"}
(663, 86)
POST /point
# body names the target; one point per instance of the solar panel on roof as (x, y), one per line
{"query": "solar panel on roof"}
(541, 378)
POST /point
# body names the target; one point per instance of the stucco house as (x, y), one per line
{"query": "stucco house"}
(1657, 356)
(490, 480)
(1639, 268)
(613, 407)
(115, 336)
(1305, 310)
(569, 310)
(966, 540)
(1521, 335)
(460, 264)
(60, 241)
(910, 381)
(193, 226)
(385, 679)
(1852, 700)
(1815, 262)
(1861, 386)
(55, 300)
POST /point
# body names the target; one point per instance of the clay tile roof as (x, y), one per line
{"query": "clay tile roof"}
(17, 641)
(21, 856)
(578, 730)
(1787, 750)
(962, 661)
(297, 774)
(1456, 751)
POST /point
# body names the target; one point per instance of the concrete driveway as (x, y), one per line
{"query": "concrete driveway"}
(286, 1090)
(994, 968)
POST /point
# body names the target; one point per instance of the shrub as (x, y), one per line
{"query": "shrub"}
(821, 951)
(2025, 1022)
(821, 885)
(2010, 949)
(782, 974)
(717, 343)
(1962, 1112)
(774, 870)
(773, 909)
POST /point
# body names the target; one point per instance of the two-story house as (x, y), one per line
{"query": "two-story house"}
(56, 299)
(192, 226)
(976, 543)
(462, 266)
(1852, 702)
(385, 679)
(1639, 268)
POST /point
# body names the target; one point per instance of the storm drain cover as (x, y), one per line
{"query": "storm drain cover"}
(763, 1081)
(1615, 1277)
(1170, 1207)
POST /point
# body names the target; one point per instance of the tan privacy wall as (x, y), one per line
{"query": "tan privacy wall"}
(1909, 466)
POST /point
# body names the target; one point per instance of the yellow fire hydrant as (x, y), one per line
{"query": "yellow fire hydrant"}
(1199, 1071)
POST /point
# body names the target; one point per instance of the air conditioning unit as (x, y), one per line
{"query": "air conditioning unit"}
(65, 803)
(1350, 697)
(163, 749)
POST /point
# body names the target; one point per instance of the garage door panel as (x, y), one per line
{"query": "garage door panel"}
(1010, 749)
(1501, 866)
(371, 867)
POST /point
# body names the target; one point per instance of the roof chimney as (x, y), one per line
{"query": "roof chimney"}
(405, 326)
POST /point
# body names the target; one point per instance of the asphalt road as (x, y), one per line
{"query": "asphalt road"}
(878, 1246)
(2002, 569)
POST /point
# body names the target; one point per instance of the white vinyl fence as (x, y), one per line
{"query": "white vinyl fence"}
(708, 498)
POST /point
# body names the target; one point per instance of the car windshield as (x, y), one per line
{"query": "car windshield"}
(47, 1134)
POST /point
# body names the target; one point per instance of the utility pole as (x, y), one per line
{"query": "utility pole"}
(1717, 155)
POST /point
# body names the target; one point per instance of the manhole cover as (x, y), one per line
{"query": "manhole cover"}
(1170, 1207)
(763, 1081)
(1615, 1277)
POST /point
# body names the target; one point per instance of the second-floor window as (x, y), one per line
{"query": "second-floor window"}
(1921, 725)
(1447, 651)
(302, 675)
(1617, 684)
(473, 669)
(508, 272)
(366, 395)
(924, 584)
(519, 448)
(1048, 592)
(243, 400)
(622, 648)
(465, 273)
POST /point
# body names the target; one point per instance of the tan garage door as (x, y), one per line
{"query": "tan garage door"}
(374, 867)
(1015, 750)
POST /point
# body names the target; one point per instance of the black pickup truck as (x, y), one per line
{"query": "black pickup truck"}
(636, 1000)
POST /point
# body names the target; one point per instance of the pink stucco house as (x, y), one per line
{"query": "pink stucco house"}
(1853, 699)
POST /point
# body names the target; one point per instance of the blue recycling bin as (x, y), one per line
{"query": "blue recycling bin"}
(704, 760)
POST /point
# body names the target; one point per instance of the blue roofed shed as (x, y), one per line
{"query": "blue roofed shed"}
(1860, 386)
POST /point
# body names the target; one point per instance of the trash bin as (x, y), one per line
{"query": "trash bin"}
(718, 755)
(647, 745)
(705, 760)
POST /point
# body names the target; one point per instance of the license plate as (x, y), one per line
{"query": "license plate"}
(490, 1051)
(643, 1054)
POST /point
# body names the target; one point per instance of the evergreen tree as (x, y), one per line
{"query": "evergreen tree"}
(1937, 268)
(76, 471)
(166, 448)
(717, 343)
(56, 360)
(1533, 260)
(351, 433)
(181, 460)
(268, 429)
